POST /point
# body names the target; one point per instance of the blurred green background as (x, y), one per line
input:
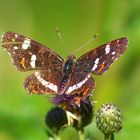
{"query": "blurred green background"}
(22, 115)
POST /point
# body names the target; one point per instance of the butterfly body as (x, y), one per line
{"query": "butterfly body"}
(67, 71)
(67, 79)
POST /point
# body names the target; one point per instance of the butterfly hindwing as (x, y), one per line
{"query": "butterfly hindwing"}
(28, 54)
(83, 87)
(83, 92)
(43, 82)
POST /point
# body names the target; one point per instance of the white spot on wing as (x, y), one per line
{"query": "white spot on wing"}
(15, 48)
(113, 52)
(13, 39)
(50, 86)
(118, 41)
(26, 44)
(45, 83)
(54, 88)
(94, 67)
(33, 60)
(74, 87)
(96, 64)
(107, 49)
(33, 57)
(69, 90)
(80, 84)
(97, 61)
(16, 35)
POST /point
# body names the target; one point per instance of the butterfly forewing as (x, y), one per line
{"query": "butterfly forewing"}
(98, 60)
(28, 54)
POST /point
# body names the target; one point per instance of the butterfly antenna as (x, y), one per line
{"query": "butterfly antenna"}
(60, 36)
(87, 43)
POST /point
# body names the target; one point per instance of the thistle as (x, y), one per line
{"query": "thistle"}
(108, 120)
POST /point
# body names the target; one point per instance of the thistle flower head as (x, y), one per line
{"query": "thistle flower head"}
(83, 114)
(108, 119)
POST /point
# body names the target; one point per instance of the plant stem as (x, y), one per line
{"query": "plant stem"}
(109, 136)
(106, 137)
(112, 137)
(81, 134)
(57, 137)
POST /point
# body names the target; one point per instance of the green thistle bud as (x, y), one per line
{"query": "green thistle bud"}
(55, 119)
(108, 119)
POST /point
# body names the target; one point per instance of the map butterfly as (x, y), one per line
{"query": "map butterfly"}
(70, 79)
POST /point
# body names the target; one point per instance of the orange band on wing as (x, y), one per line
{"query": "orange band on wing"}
(102, 66)
(23, 63)
(86, 90)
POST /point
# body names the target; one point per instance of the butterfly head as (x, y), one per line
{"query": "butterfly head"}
(71, 57)
(69, 64)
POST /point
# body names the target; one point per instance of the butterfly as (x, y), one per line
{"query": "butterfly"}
(54, 75)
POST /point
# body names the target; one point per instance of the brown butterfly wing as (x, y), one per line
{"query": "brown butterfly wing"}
(98, 60)
(82, 88)
(28, 54)
(43, 82)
